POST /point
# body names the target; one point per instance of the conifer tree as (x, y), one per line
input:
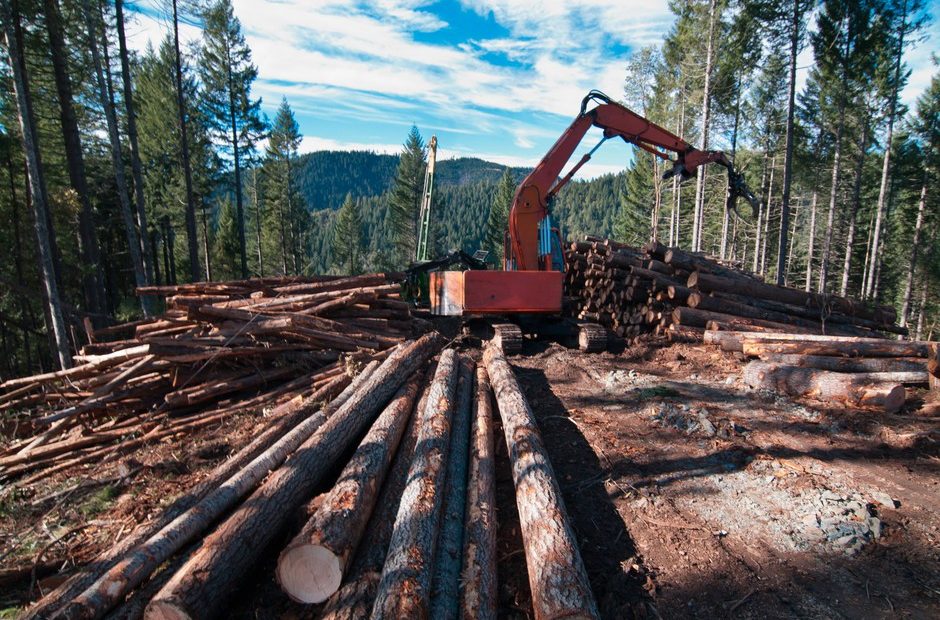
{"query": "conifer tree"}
(225, 242)
(347, 237)
(227, 74)
(498, 219)
(405, 198)
(286, 209)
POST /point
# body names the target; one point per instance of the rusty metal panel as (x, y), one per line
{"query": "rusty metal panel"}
(491, 292)
(447, 293)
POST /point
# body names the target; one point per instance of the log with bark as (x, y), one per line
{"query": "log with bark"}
(405, 586)
(227, 555)
(861, 390)
(557, 578)
(478, 581)
(312, 565)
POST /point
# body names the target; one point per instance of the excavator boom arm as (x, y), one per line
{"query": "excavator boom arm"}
(531, 202)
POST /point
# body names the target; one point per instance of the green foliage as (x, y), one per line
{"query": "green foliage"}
(225, 247)
(286, 228)
(347, 237)
(498, 219)
(404, 200)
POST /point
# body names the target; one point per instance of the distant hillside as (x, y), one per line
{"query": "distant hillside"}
(325, 177)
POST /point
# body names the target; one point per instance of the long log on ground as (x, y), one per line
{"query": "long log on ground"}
(311, 567)
(201, 587)
(448, 560)
(733, 340)
(354, 599)
(700, 301)
(557, 578)
(708, 282)
(852, 364)
(693, 317)
(864, 390)
(478, 581)
(885, 348)
(405, 586)
(140, 562)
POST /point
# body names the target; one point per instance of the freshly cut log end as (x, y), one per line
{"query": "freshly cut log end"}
(592, 338)
(309, 573)
(166, 610)
(508, 337)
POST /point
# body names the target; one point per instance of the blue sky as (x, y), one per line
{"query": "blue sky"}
(497, 79)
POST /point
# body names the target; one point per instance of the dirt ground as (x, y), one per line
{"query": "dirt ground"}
(694, 496)
(691, 496)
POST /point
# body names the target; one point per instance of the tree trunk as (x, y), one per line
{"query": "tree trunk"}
(354, 600)
(909, 285)
(853, 215)
(869, 291)
(557, 578)
(767, 207)
(761, 213)
(810, 242)
(448, 559)
(864, 390)
(192, 236)
(101, 66)
(258, 215)
(202, 587)
(136, 171)
(87, 235)
(782, 245)
(478, 592)
(699, 216)
(239, 206)
(726, 218)
(833, 194)
(405, 586)
(9, 11)
(312, 565)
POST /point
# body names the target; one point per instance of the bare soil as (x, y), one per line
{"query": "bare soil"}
(691, 496)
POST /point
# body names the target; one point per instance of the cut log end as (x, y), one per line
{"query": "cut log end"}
(165, 610)
(592, 338)
(309, 573)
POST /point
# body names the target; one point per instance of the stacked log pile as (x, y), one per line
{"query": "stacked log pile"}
(219, 349)
(668, 291)
(867, 373)
(407, 529)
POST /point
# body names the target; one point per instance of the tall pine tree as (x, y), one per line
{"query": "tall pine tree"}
(405, 198)
(227, 74)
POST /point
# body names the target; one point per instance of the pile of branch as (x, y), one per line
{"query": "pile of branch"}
(668, 291)
(220, 348)
(867, 373)
(188, 561)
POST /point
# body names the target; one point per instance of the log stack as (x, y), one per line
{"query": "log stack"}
(219, 349)
(862, 373)
(407, 529)
(667, 291)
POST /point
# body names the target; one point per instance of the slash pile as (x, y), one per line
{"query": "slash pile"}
(219, 349)
(667, 291)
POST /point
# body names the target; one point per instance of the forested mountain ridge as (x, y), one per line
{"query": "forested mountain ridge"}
(325, 177)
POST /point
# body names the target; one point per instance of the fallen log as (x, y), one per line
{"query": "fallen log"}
(448, 558)
(557, 578)
(884, 348)
(405, 586)
(852, 364)
(478, 581)
(141, 561)
(863, 390)
(354, 599)
(311, 567)
(693, 317)
(201, 587)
